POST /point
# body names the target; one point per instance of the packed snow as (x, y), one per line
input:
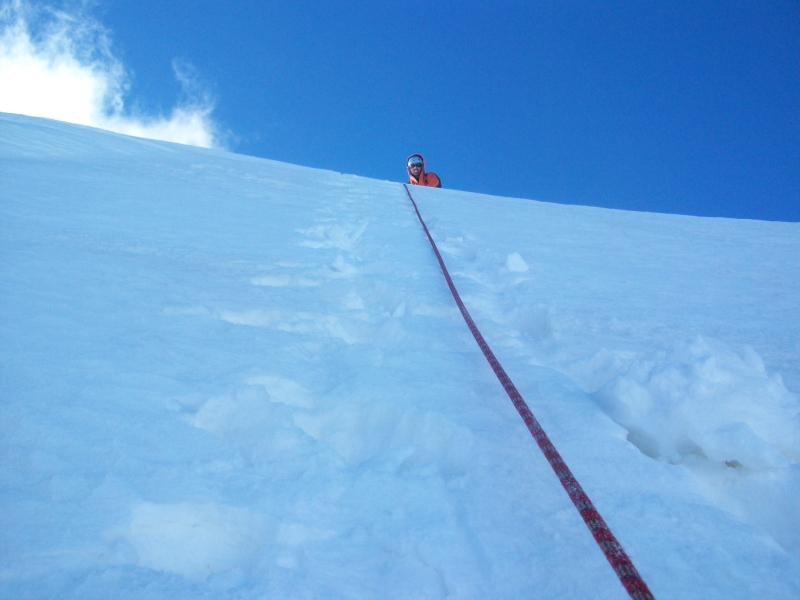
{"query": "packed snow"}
(228, 377)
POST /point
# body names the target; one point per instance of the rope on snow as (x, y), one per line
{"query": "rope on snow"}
(617, 558)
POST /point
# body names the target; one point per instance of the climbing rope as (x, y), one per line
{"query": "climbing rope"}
(617, 558)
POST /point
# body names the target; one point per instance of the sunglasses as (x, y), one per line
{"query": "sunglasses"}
(416, 164)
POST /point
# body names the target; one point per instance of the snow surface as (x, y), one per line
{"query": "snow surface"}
(227, 377)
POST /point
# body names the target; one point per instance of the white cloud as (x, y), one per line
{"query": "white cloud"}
(59, 65)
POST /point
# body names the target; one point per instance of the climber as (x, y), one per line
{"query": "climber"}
(417, 174)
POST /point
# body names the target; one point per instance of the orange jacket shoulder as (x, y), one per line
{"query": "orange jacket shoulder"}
(432, 180)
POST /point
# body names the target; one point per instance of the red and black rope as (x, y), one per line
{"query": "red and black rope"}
(619, 560)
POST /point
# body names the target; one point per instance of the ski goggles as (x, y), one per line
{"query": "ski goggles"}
(414, 161)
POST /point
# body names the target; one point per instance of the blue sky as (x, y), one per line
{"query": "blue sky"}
(683, 107)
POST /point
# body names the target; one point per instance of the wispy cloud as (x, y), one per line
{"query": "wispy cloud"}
(59, 64)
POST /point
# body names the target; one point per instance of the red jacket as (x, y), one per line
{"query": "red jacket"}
(429, 179)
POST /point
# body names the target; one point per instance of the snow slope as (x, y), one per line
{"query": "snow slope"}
(227, 377)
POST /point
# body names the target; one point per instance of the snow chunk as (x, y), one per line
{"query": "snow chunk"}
(342, 267)
(283, 280)
(516, 264)
(284, 391)
(343, 237)
(194, 540)
(360, 431)
(302, 322)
